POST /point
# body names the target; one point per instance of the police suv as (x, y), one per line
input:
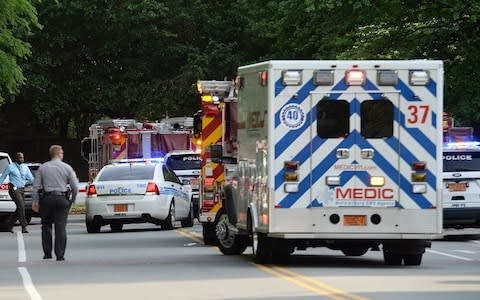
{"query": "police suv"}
(461, 177)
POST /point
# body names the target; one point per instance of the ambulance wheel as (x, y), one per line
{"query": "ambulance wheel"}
(188, 222)
(354, 251)
(281, 250)
(412, 259)
(229, 242)
(169, 222)
(93, 226)
(208, 232)
(262, 252)
(392, 259)
(116, 227)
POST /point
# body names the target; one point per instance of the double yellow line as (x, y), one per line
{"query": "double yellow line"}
(308, 283)
(300, 280)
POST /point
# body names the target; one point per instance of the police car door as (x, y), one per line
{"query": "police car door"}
(355, 150)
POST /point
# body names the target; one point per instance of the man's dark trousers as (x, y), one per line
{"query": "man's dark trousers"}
(17, 197)
(54, 210)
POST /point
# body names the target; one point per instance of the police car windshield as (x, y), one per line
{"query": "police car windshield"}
(461, 161)
(184, 162)
(127, 172)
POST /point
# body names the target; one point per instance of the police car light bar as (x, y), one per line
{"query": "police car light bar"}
(136, 160)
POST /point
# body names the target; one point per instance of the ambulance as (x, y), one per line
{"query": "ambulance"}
(339, 154)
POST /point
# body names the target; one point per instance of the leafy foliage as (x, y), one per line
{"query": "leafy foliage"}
(141, 58)
(16, 19)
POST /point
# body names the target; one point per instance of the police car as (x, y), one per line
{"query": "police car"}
(461, 178)
(137, 192)
(7, 206)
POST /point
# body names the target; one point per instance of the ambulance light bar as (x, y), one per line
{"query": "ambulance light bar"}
(323, 77)
(290, 187)
(291, 77)
(419, 188)
(332, 180)
(387, 77)
(419, 77)
(355, 77)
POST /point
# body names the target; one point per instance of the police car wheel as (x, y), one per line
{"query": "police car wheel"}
(92, 226)
(169, 222)
(188, 222)
(116, 227)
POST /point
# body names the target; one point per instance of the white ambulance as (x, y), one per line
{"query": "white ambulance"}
(339, 154)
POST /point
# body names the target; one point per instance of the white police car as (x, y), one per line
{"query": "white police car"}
(7, 206)
(137, 192)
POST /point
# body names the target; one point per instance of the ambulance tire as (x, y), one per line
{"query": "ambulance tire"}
(354, 251)
(281, 250)
(229, 242)
(208, 232)
(261, 247)
(412, 259)
(392, 259)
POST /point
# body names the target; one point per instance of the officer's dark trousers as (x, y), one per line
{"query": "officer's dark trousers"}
(54, 210)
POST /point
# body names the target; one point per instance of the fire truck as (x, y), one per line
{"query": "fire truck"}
(215, 124)
(339, 154)
(117, 139)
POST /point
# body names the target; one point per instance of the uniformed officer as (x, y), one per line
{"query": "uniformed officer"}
(55, 180)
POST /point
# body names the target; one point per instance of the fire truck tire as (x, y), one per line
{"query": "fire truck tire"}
(392, 259)
(412, 259)
(116, 227)
(93, 226)
(188, 222)
(261, 247)
(169, 222)
(229, 242)
(208, 232)
(354, 251)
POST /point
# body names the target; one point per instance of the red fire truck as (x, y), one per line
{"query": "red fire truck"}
(116, 139)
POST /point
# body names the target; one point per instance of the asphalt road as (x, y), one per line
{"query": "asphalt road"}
(144, 262)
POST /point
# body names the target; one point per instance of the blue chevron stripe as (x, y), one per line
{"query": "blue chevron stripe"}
(330, 160)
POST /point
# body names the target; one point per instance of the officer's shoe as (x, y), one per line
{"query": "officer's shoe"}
(47, 256)
(60, 258)
(24, 230)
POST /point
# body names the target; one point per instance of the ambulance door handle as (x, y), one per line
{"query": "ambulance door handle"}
(343, 153)
(367, 153)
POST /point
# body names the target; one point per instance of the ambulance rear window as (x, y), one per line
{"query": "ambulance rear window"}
(333, 118)
(376, 118)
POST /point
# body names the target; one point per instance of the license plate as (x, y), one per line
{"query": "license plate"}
(355, 220)
(457, 186)
(120, 207)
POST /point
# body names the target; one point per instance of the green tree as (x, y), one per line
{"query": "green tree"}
(16, 19)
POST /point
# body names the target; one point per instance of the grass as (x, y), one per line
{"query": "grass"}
(77, 209)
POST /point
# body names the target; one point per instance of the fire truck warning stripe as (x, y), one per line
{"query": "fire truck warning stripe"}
(210, 125)
(309, 283)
